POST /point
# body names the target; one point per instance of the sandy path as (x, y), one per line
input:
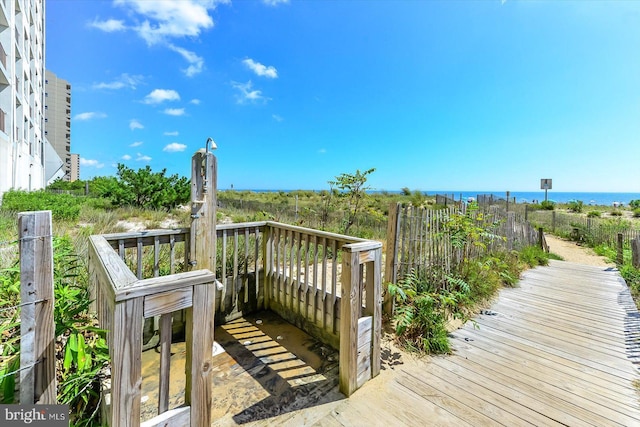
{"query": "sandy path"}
(572, 252)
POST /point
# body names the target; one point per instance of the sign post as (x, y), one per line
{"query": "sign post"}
(545, 184)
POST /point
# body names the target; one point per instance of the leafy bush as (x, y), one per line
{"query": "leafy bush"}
(534, 256)
(606, 251)
(634, 204)
(421, 314)
(594, 214)
(632, 276)
(62, 206)
(615, 212)
(576, 206)
(145, 189)
(81, 350)
(636, 213)
(547, 205)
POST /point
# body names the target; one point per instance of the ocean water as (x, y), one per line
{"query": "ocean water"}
(601, 199)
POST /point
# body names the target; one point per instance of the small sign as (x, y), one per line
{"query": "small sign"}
(545, 184)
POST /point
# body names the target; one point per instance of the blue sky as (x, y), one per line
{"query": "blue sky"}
(456, 95)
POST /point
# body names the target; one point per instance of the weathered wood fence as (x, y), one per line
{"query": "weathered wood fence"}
(327, 284)
(593, 230)
(36, 366)
(37, 328)
(426, 240)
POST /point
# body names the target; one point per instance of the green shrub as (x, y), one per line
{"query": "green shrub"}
(636, 212)
(146, 189)
(576, 206)
(606, 251)
(533, 256)
(548, 205)
(80, 346)
(594, 214)
(421, 314)
(632, 276)
(62, 206)
(634, 204)
(615, 212)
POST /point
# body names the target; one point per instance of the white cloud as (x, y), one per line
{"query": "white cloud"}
(109, 26)
(135, 124)
(91, 163)
(174, 147)
(173, 133)
(163, 20)
(195, 101)
(174, 111)
(274, 2)
(126, 157)
(136, 144)
(277, 118)
(142, 158)
(247, 93)
(196, 63)
(261, 70)
(124, 81)
(158, 96)
(89, 115)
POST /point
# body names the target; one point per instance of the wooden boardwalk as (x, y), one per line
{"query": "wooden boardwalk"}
(560, 349)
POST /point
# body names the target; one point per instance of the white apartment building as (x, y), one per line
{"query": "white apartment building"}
(57, 118)
(22, 78)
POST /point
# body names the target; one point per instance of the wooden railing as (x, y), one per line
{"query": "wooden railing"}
(299, 273)
(122, 302)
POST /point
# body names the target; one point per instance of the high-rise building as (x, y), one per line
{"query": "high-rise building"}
(22, 139)
(57, 118)
(75, 167)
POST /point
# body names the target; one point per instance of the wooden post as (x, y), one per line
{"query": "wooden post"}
(200, 326)
(360, 333)
(390, 270)
(37, 328)
(620, 258)
(267, 256)
(511, 218)
(553, 221)
(350, 306)
(126, 362)
(635, 252)
(541, 238)
(203, 211)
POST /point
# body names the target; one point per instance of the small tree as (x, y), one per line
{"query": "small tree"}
(147, 189)
(353, 190)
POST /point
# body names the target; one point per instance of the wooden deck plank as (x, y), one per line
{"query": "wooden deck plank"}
(553, 383)
(511, 350)
(556, 350)
(608, 347)
(526, 394)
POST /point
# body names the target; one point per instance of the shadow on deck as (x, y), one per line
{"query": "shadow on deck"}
(263, 367)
